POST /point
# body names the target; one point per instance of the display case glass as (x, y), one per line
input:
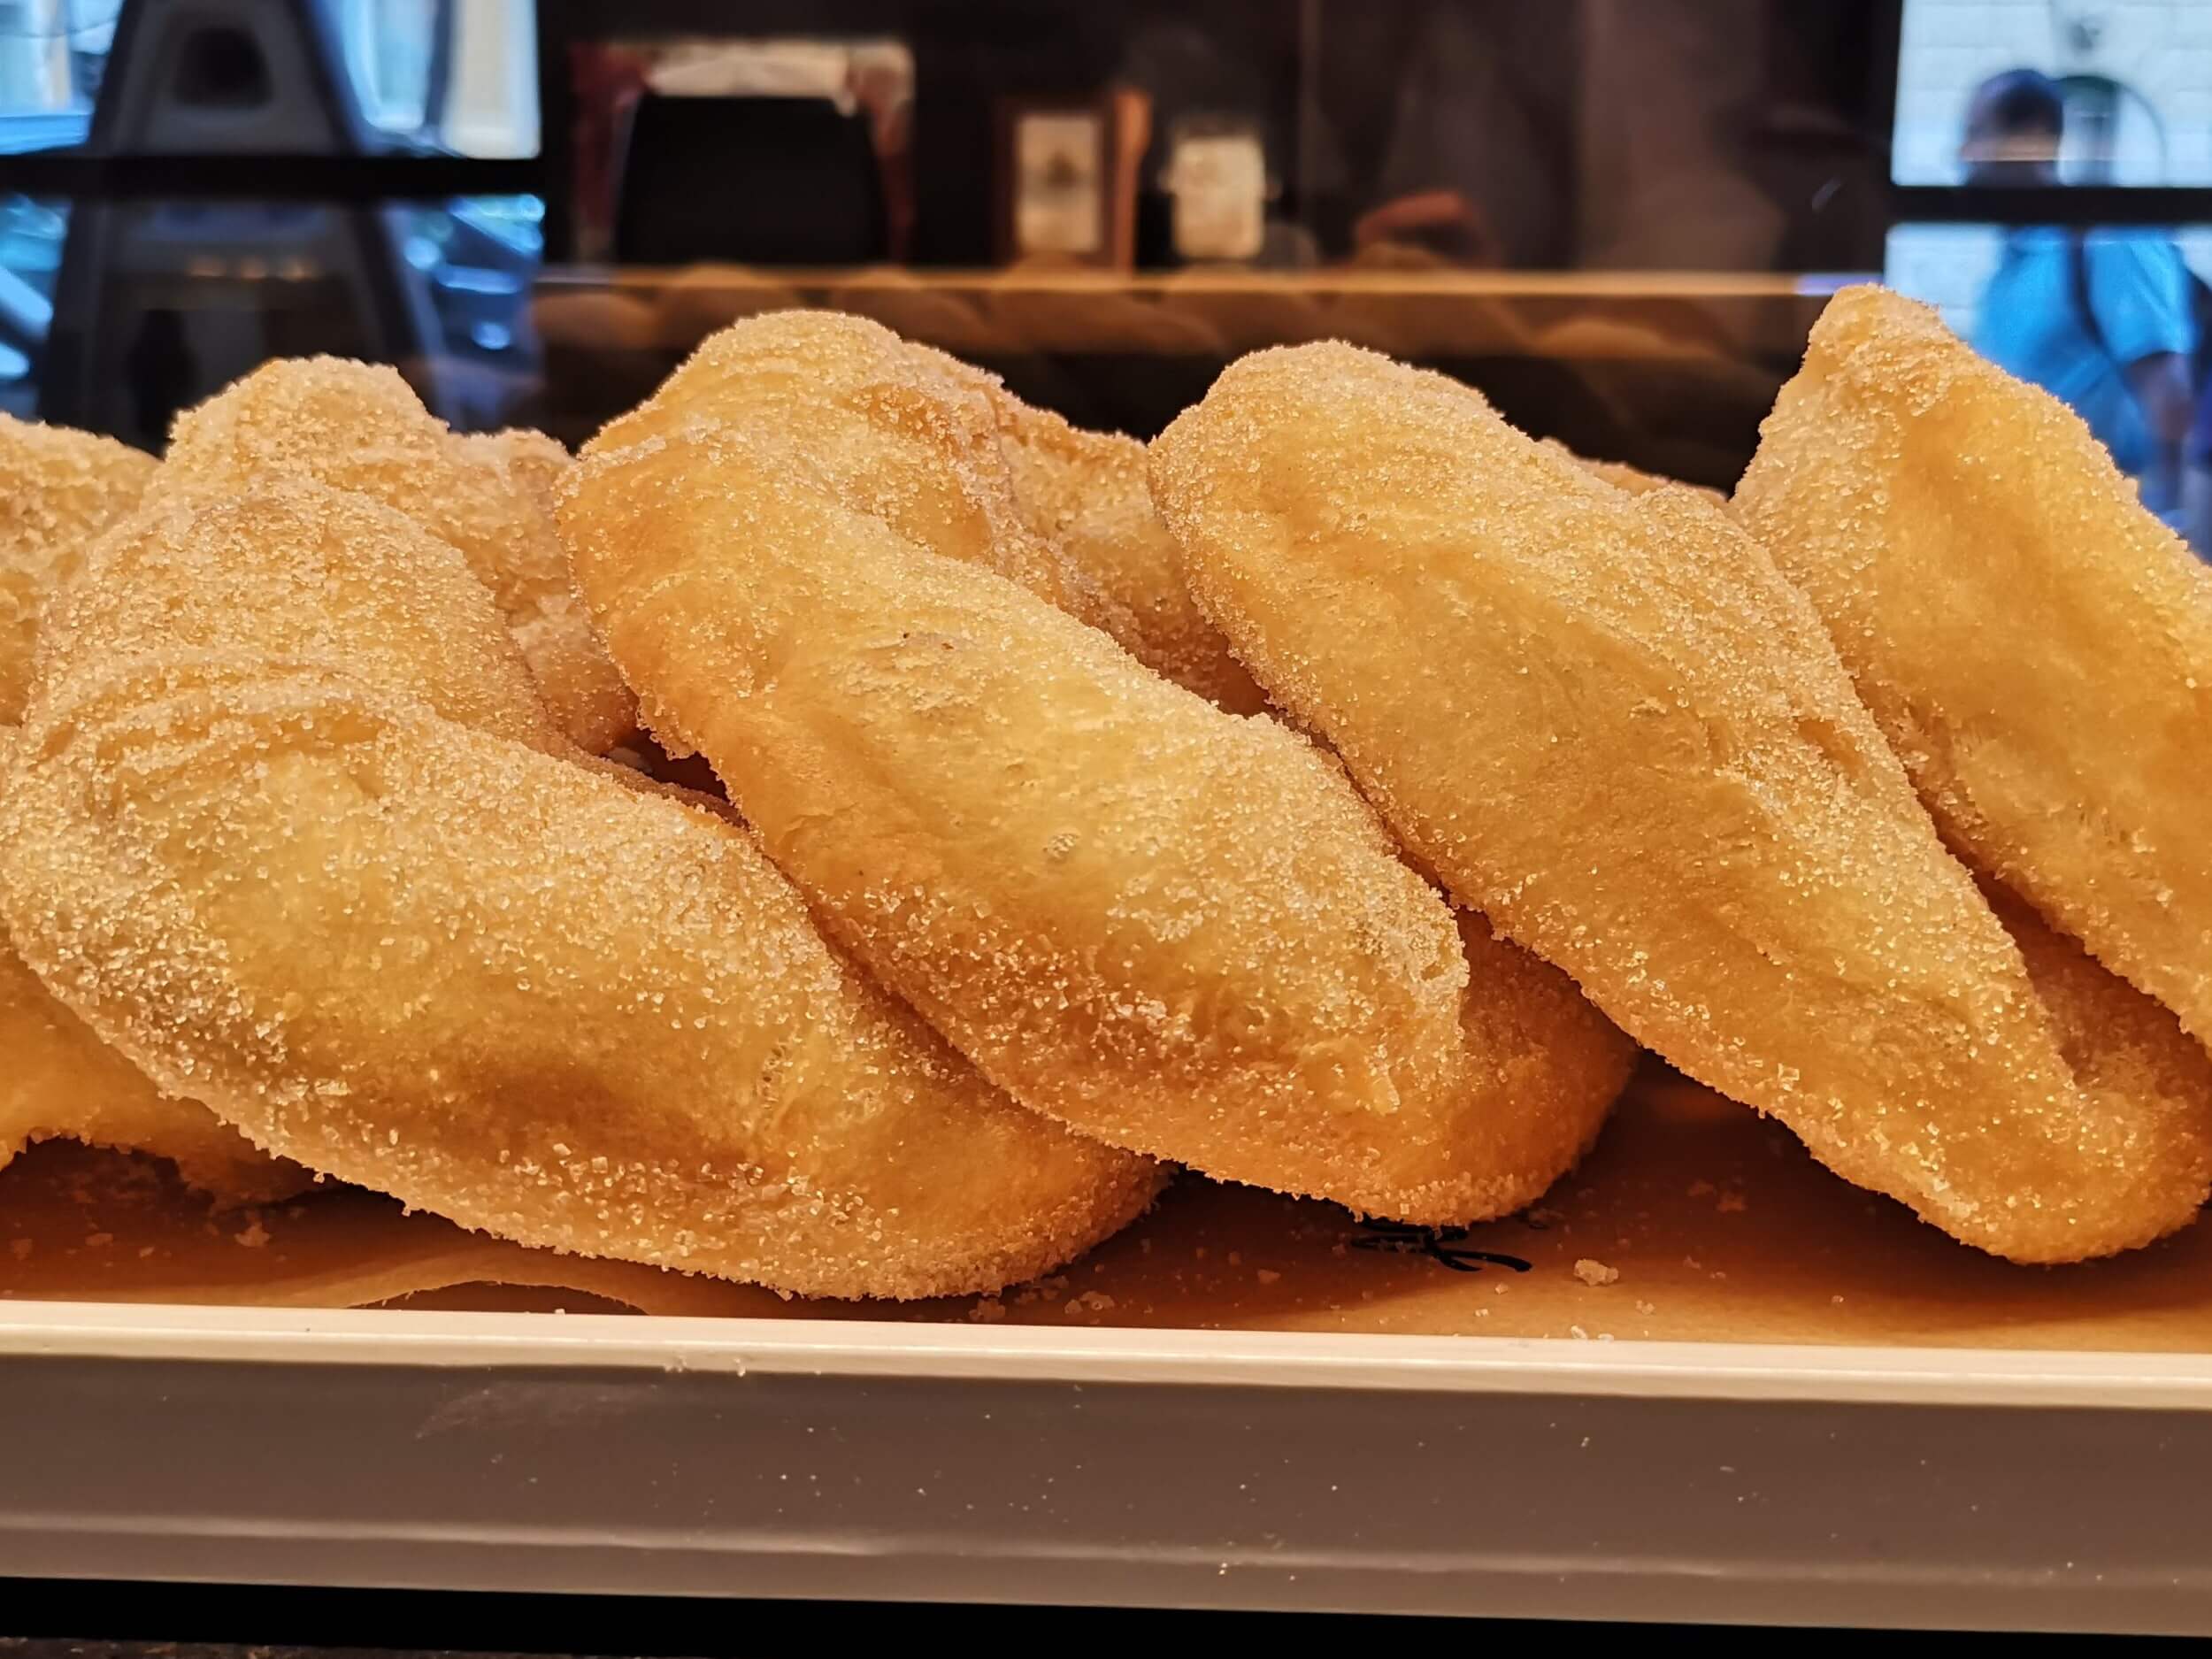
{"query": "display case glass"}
(1746, 1345)
(1618, 218)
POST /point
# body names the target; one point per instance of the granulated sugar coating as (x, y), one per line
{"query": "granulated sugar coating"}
(1087, 490)
(354, 427)
(289, 827)
(58, 489)
(2123, 1047)
(1177, 929)
(533, 462)
(62, 1081)
(1609, 724)
(1524, 1092)
(1635, 480)
(2036, 645)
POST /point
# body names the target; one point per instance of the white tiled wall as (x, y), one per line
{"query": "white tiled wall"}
(2162, 48)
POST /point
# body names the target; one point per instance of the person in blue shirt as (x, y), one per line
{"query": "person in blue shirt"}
(2099, 317)
(2196, 482)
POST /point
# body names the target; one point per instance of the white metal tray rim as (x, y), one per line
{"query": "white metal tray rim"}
(1352, 1361)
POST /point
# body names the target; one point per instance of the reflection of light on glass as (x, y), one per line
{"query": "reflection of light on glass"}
(1217, 176)
(487, 248)
(1946, 265)
(31, 237)
(516, 222)
(53, 53)
(45, 46)
(488, 103)
(470, 279)
(1060, 189)
(2135, 78)
(1819, 284)
(388, 48)
(492, 106)
(2114, 134)
(91, 23)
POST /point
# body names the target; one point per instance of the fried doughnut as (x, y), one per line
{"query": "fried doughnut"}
(2119, 1043)
(58, 489)
(357, 426)
(1087, 490)
(1534, 1077)
(2037, 646)
(573, 673)
(532, 463)
(1634, 480)
(1096, 549)
(1177, 929)
(1609, 724)
(903, 424)
(303, 839)
(64, 1083)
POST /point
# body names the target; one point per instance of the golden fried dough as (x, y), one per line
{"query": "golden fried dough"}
(898, 423)
(2121, 1044)
(1097, 548)
(58, 489)
(60, 1081)
(1609, 723)
(535, 462)
(1178, 929)
(64, 1082)
(1634, 480)
(290, 827)
(1524, 1092)
(356, 427)
(1087, 491)
(574, 674)
(2037, 646)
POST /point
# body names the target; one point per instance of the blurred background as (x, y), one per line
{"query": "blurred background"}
(1617, 217)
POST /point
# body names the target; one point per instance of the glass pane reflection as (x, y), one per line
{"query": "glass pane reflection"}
(114, 315)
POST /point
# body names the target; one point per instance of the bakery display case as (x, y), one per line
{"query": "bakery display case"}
(805, 895)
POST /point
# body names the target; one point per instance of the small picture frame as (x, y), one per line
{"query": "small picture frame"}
(1068, 173)
(1216, 177)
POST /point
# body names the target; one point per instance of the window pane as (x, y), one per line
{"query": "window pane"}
(478, 96)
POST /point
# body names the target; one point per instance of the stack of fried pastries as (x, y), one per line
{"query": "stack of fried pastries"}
(1610, 721)
(1335, 799)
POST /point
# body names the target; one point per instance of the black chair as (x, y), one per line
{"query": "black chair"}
(749, 181)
